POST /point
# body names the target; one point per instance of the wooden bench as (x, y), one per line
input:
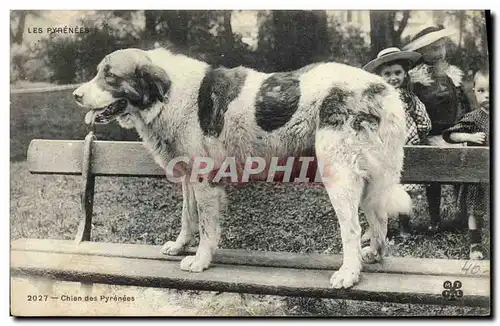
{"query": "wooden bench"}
(403, 280)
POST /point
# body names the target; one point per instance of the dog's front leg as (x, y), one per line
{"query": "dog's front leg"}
(189, 222)
(210, 201)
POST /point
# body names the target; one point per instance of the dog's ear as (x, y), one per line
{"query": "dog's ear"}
(153, 82)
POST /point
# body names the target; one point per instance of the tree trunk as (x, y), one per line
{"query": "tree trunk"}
(322, 37)
(230, 57)
(396, 39)
(177, 22)
(461, 23)
(349, 16)
(17, 37)
(381, 31)
(300, 36)
(151, 17)
(486, 37)
(228, 30)
(284, 38)
(265, 26)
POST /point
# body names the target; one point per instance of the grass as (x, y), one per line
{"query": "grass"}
(260, 217)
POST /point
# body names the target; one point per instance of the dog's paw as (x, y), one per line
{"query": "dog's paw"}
(344, 278)
(171, 248)
(194, 264)
(370, 256)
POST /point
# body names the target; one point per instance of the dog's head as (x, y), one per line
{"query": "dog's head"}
(127, 84)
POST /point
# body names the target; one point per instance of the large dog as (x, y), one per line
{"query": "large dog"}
(350, 119)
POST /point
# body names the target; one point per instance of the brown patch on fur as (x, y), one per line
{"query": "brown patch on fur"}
(219, 88)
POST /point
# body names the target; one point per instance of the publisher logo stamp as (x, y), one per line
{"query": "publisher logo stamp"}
(452, 290)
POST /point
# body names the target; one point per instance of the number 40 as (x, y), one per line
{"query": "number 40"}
(471, 268)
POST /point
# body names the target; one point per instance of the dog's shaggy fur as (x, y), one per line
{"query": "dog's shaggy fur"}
(350, 119)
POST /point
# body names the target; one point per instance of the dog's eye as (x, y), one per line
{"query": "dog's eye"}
(110, 75)
(111, 78)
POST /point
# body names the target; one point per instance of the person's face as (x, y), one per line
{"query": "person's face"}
(393, 74)
(482, 91)
(434, 52)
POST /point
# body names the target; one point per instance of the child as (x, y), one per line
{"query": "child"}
(474, 129)
(393, 65)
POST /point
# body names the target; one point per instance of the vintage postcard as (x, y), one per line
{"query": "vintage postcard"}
(250, 163)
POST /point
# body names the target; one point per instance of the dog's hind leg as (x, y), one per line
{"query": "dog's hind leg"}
(377, 223)
(344, 185)
(189, 222)
(211, 201)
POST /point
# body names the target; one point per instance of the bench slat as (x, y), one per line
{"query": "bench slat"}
(125, 158)
(248, 279)
(422, 266)
(453, 164)
(108, 158)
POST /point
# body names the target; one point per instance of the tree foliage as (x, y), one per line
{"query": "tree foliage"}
(286, 40)
(74, 59)
(347, 44)
(471, 53)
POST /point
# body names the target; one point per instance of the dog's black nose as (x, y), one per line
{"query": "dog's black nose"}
(78, 97)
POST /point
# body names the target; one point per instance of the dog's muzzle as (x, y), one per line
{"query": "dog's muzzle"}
(106, 114)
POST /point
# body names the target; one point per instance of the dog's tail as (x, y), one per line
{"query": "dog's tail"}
(389, 139)
(395, 201)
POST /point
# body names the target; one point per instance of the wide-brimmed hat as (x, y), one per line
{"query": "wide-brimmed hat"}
(392, 54)
(427, 36)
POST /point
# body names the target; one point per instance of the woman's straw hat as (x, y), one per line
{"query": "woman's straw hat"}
(427, 36)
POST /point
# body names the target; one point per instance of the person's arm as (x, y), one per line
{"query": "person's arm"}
(461, 137)
(422, 120)
(462, 128)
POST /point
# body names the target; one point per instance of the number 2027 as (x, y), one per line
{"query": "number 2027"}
(38, 297)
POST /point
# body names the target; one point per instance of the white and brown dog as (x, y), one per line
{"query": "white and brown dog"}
(350, 119)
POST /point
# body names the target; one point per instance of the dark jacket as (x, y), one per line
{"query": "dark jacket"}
(443, 96)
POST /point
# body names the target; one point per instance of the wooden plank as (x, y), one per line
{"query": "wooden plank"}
(421, 266)
(453, 164)
(108, 158)
(422, 163)
(55, 156)
(247, 279)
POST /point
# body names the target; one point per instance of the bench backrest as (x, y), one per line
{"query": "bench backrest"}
(423, 164)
